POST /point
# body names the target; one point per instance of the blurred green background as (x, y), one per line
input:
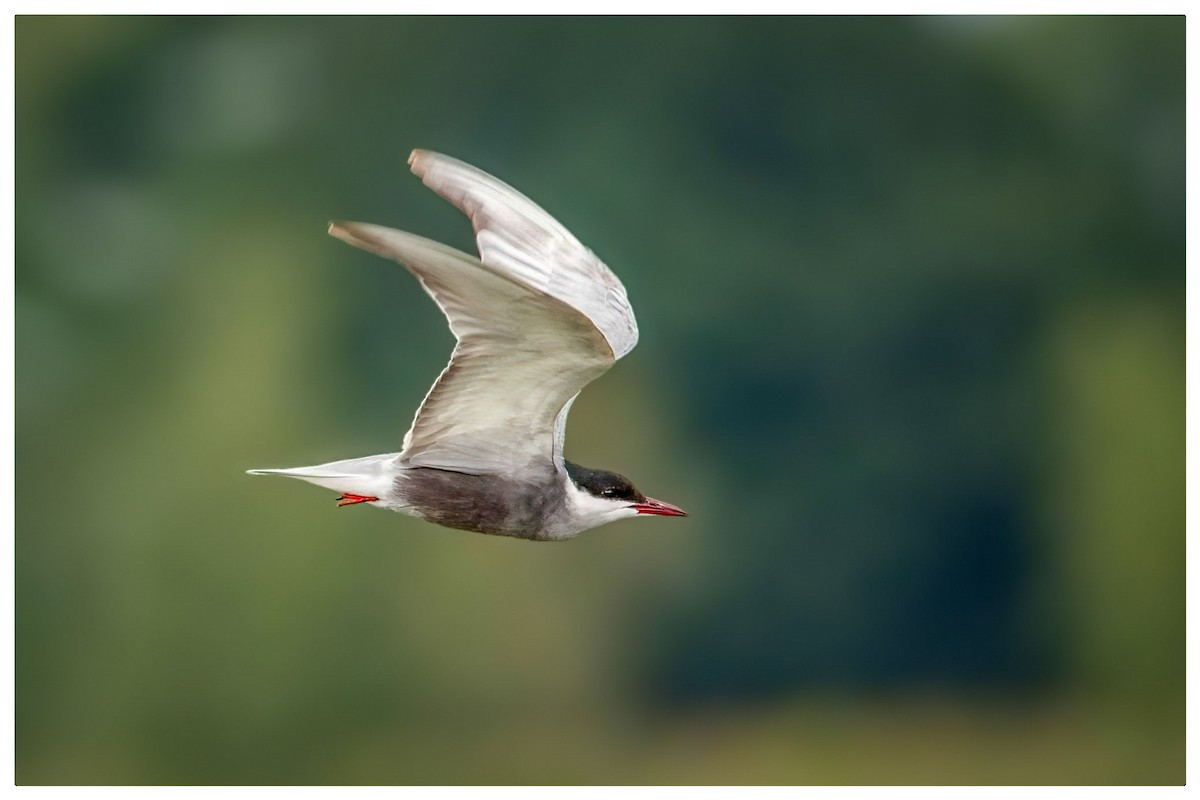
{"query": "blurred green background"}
(911, 293)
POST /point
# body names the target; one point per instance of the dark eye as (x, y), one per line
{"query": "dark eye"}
(609, 492)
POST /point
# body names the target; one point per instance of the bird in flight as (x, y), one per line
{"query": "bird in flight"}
(537, 317)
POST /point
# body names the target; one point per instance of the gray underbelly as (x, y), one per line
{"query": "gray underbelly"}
(484, 503)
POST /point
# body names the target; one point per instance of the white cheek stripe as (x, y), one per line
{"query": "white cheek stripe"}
(590, 511)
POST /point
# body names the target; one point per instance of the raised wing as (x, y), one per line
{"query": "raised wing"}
(536, 318)
(521, 241)
(521, 357)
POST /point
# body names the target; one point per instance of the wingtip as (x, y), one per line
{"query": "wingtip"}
(416, 161)
(348, 232)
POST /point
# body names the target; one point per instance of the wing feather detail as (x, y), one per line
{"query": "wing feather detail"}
(521, 356)
(537, 317)
(517, 237)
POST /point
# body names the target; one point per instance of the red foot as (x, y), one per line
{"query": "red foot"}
(348, 499)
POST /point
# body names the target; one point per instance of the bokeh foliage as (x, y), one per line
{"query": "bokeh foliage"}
(912, 312)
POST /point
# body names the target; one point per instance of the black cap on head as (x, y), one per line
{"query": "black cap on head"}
(608, 485)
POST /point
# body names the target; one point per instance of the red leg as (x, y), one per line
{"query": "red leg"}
(348, 499)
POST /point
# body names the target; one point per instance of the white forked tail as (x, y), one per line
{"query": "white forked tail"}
(370, 476)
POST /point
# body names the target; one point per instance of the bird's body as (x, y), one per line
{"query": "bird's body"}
(537, 317)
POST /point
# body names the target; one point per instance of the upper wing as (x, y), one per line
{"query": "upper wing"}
(536, 319)
(521, 241)
(520, 359)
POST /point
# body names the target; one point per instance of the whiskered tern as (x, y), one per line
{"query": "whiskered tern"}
(537, 317)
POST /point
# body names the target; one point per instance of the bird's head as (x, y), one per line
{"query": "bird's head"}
(598, 496)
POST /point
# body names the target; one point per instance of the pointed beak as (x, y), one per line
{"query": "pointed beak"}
(652, 506)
